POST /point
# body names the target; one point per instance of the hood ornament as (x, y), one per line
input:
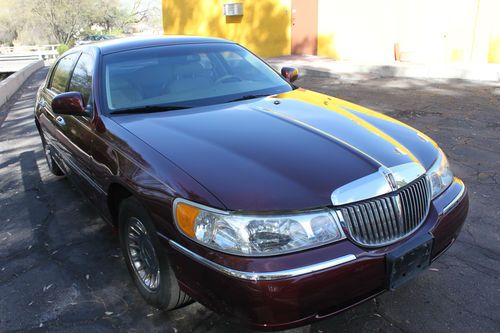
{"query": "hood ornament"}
(384, 181)
(389, 177)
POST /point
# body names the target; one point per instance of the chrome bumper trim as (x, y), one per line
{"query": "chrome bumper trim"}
(455, 200)
(263, 276)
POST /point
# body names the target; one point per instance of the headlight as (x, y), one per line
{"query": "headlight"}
(255, 235)
(440, 175)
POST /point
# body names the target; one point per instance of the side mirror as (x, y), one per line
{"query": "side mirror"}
(290, 73)
(70, 103)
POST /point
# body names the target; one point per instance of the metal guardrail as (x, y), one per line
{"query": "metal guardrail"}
(28, 52)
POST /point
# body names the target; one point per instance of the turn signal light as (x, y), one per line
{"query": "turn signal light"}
(186, 216)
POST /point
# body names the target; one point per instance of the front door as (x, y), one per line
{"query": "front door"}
(73, 134)
(79, 130)
(305, 27)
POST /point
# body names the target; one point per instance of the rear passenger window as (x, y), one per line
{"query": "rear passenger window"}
(60, 78)
(81, 80)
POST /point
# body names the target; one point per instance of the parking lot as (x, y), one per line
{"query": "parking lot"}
(61, 268)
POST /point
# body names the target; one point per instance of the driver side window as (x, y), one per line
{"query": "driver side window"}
(60, 76)
(81, 81)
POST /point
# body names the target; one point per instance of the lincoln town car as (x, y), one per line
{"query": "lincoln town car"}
(229, 185)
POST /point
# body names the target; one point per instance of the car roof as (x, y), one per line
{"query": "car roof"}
(130, 43)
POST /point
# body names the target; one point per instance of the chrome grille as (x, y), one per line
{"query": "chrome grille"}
(384, 220)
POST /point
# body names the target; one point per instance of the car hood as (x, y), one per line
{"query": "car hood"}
(284, 152)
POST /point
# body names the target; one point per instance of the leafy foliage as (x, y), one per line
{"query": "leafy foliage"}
(62, 48)
(63, 21)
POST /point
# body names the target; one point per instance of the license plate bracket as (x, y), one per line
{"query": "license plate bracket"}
(408, 260)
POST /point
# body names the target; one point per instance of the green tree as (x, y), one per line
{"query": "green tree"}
(63, 21)
(65, 18)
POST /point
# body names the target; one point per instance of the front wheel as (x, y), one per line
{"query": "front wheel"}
(146, 260)
(49, 157)
(303, 329)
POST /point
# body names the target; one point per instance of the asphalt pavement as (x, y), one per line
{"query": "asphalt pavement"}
(61, 269)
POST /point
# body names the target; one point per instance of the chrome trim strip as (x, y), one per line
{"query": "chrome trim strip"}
(406, 173)
(360, 189)
(197, 205)
(83, 174)
(263, 276)
(453, 202)
(384, 181)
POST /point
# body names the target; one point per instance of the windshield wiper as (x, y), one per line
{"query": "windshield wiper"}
(151, 108)
(244, 98)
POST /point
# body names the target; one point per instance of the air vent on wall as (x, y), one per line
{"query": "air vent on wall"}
(233, 9)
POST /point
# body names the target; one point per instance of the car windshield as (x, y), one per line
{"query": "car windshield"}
(184, 76)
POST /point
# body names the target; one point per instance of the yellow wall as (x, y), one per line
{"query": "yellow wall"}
(264, 27)
(494, 36)
(494, 49)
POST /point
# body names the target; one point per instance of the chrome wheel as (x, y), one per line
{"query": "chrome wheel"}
(142, 254)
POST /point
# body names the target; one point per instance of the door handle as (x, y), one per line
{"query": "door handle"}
(60, 120)
(42, 104)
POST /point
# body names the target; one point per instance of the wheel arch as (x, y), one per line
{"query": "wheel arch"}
(116, 194)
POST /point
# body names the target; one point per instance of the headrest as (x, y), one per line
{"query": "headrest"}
(192, 69)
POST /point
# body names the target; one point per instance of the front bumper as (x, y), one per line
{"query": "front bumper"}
(295, 289)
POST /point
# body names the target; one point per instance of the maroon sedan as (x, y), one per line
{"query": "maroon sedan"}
(231, 186)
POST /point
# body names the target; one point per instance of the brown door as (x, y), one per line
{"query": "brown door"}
(304, 26)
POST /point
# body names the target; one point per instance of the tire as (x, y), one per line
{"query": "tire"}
(303, 329)
(49, 157)
(140, 245)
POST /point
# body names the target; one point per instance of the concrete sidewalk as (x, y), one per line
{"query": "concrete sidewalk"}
(350, 70)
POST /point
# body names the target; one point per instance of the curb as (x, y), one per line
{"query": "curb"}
(11, 84)
(324, 68)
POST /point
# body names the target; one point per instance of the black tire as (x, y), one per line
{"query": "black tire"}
(165, 293)
(49, 157)
(303, 329)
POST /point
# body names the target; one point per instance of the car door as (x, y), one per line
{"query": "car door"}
(76, 132)
(79, 130)
(57, 83)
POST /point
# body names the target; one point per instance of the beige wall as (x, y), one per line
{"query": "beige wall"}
(356, 30)
(426, 31)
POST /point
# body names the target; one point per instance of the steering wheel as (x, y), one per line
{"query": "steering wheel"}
(227, 78)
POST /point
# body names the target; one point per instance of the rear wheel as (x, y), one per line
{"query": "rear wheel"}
(146, 260)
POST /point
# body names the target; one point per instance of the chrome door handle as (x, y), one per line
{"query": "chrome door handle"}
(42, 104)
(60, 120)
